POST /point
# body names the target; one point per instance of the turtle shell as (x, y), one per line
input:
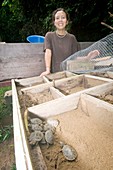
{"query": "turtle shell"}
(69, 152)
(49, 127)
(36, 127)
(35, 136)
(36, 121)
(49, 137)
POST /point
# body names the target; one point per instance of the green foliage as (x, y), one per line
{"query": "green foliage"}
(12, 19)
(13, 167)
(5, 131)
(4, 110)
(20, 18)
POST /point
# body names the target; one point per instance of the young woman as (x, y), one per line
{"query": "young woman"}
(59, 44)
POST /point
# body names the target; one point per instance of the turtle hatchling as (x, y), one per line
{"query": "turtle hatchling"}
(69, 152)
(49, 127)
(36, 127)
(35, 137)
(49, 137)
(36, 121)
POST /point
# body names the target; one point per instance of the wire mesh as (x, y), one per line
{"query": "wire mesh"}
(97, 57)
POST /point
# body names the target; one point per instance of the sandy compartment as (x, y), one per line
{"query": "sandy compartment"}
(93, 145)
(92, 142)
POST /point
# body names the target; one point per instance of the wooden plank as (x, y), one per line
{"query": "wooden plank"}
(24, 67)
(99, 78)
(38, 88)
(74, 65)
(63, 81)
(69, 74)
(30, 81)
(101, 90)
(21, 60)
(56, 93)
(56, 106)
(56, 76)
(108, 62)
(80, 78)
(40, 159)
(59, 75)
(5, 83)
(99, 111)
(110, 74)
(22, 156)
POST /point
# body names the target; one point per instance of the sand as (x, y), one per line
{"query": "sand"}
(93, 145)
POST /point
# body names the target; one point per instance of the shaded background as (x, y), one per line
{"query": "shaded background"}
(20, 18)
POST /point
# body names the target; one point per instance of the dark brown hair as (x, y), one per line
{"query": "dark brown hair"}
(59, 9)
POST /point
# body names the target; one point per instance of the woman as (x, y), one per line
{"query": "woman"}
(59, 44)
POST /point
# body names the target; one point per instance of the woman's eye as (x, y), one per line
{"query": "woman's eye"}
(63, 17)
(57, 18)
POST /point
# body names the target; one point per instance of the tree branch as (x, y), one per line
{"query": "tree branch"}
(108, 26)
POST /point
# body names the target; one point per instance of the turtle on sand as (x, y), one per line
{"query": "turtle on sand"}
(36, 121)
(36, 127)
(49, 137)
(35, 137)
(69, 152)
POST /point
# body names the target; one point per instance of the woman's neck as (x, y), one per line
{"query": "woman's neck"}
(61, 32)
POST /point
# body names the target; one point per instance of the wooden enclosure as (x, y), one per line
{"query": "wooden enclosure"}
(95, 111)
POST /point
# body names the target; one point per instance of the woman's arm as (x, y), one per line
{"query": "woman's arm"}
(47, 62)
(91, 55)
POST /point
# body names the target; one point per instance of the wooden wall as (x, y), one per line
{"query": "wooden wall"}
(22, 60)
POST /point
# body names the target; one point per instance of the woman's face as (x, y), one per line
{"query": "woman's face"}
(60, 21)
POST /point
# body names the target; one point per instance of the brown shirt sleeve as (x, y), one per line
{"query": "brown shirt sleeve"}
(47, 42)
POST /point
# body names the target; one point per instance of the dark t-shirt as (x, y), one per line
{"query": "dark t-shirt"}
(61, 48)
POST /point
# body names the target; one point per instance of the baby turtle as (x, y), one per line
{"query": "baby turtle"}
(36, 127)
(69, 152)
(43, 141)
(35, 137)
(49, 127)
(36, 121)
(49, 137)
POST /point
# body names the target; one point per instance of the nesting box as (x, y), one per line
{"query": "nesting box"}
(85, 120)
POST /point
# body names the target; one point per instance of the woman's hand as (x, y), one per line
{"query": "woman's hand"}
(45, 73)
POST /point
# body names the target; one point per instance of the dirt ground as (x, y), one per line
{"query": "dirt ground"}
(7, 157)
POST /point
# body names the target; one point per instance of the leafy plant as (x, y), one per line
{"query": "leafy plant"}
(5, 133)
(4, 110)
(13, 167)
(20, 18)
